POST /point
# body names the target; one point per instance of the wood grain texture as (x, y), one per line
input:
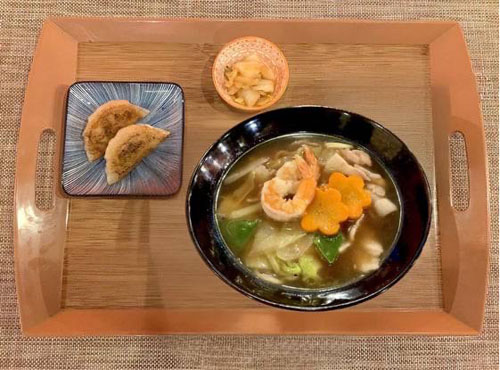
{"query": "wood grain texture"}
(137, 253)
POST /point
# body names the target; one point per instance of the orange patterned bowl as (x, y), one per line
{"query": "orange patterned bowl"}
(238, 49)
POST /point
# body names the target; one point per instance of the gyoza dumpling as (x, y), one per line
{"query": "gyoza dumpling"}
(104, 123)
(129, 146)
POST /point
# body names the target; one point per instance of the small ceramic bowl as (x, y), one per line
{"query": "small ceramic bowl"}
(159, 174)
(238, 49)
(383, 146)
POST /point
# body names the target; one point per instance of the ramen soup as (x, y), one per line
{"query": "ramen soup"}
(308, 211)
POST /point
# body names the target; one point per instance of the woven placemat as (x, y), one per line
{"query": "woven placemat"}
(19, 28)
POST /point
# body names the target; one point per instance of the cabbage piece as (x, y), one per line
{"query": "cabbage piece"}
(270, 278)
(286, 244)
(230, 75)
(270, 239)
(249, 96)
(283, 269)
(249, 68)
(235, 176)
(295, 249)
(310, 267)
(263, 241)
(232, 90)
(245, 212)
(265, 86)
(267, 72)
(264, 100)
(291, 268)
(276, 163)
(246, 188)
(246, 82)
(274, 263)
(288, 237)
(259, 263)
(227, 204)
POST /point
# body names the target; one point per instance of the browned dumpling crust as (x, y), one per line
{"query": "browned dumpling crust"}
(104, 123)
(129, 146)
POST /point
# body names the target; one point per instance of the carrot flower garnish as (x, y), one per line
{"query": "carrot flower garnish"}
(325, 213)
(352, 192)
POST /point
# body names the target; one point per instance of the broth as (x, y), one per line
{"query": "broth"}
(282, 236)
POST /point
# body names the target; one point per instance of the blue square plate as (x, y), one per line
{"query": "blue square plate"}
(158, 174)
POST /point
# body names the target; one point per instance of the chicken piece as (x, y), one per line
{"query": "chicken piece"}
(356, 156)
(384, 206)
(367, 263)
(262, 174)
(373, 248)
(338, 146)
(376, 191)
(338, 164)
(344, 246)
(354, 228)
(380, 182)
(371, 175)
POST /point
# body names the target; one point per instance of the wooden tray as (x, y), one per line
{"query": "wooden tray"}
(94, 266)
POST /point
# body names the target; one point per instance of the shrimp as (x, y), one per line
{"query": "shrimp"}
(286, 196)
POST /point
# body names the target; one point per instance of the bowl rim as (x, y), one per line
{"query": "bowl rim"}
(275, 98)
(331, 306)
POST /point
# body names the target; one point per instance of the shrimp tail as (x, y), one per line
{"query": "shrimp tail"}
(308, 166)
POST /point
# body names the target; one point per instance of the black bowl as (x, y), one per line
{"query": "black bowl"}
(390, 151)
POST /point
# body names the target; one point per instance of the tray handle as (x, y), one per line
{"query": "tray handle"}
(39, 235)
(464, 236)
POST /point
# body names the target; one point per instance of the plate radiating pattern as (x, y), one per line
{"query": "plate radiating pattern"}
(157, 174)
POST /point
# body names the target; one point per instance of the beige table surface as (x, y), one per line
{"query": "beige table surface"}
(19, 28)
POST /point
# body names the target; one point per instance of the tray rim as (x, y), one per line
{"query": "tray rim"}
(40, 311)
